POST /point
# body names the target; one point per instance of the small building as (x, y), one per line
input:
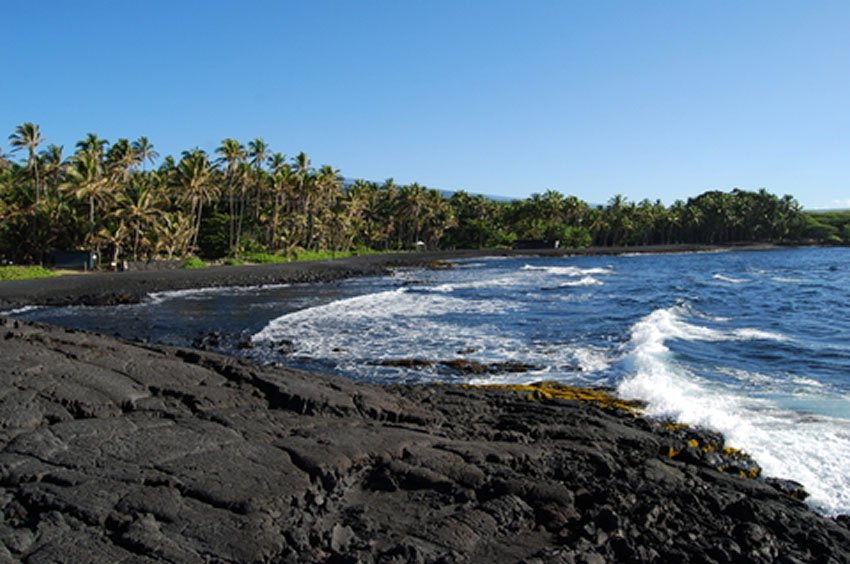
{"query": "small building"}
(74, 260)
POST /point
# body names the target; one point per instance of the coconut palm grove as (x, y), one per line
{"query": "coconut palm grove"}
(247, 202)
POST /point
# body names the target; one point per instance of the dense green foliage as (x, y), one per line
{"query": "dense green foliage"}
(828, 227)
(249, 203)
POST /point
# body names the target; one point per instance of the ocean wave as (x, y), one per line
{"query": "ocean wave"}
(729, 279)
(585, 281)
(21, 310)
(568, 270)
(159, 297)
(592, 359)
(498, 282)
(390, 324)
(670, 323)
(758, 426)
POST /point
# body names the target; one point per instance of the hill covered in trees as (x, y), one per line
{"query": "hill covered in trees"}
(247, 198)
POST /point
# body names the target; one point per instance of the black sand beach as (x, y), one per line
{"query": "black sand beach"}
(107, 288)
(116, 452)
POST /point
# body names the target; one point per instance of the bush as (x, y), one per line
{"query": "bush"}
(194, 263)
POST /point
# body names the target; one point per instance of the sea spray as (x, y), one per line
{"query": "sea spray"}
(807, 450)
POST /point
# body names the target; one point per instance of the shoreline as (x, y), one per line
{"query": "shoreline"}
(188, 441)
(112, 451)
(112, 288)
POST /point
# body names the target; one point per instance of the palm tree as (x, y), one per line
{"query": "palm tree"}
(144, 150)
(258, 151)
(52, 166)
(113, 235)
(28, 136)
(173, 234)
(122, 158)
(141, 207)
(303, 170)
(194, 178)
(93, 146)
(232, 154)
(87, 184)
(281, 178)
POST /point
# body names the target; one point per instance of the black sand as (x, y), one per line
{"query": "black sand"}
(130, 287)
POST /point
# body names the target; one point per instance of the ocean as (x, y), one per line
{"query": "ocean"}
(755, 344)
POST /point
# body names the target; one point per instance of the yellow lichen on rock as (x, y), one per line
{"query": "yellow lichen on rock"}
(557, 390)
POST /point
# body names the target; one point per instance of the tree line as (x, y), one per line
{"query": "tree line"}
(113, 198)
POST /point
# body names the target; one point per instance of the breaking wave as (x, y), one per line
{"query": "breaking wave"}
(772, 434)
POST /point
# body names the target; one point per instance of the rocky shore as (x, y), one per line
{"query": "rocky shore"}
(114, 452)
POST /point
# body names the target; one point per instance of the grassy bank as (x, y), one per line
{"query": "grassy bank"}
(25, 272)
(304, 255)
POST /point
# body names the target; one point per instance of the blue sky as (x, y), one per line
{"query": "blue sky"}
(649, 99)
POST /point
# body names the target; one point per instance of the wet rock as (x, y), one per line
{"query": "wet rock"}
(788, 487)
(464, 366)
(285, 346)
(210, 341)
(406, 362)
(439, 265)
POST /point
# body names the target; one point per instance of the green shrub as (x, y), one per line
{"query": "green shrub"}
(24, 272)
(194, 263)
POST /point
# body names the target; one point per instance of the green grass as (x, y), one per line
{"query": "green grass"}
(298, 255)
(25, 272)
(262, 258)
(325, 255)
(194, 263)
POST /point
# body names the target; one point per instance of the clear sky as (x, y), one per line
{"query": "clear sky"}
(649, 99)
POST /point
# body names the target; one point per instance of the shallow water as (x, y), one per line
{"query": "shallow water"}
(755, 344)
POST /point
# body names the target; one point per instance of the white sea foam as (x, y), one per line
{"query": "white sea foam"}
(569, 270)
(584, 281)
(159, 297)
(777, 440)
(392, 324)
(729, 279)
(21, 310)
(498, 282)
(592, 359)
(670, 323)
